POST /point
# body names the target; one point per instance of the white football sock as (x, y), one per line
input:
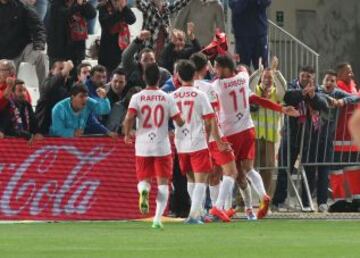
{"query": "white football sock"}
(229, 200)
(257, 182)
(190, 189)
(214, 193)
(246, 195)
(226, 187)
(161, 201)
(143, 186)
(197, 201)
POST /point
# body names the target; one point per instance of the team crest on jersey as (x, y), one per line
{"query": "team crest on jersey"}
(239, 116)
(185, 131)
(152, 136)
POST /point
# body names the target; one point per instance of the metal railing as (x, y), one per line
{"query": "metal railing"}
(292, 52)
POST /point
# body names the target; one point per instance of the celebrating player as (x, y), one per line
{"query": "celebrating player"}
(236, 123)
(153, 108)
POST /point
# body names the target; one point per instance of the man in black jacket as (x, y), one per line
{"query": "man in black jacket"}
(22, 36)
(55, 88)
(67, 30)
(18, 118)
(134, 69)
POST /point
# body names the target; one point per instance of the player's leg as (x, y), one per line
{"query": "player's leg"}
(214, 184)
(163, 170)
(258, 184)
(245, 191)
(144, 172)
(190, 184)
(201, 164)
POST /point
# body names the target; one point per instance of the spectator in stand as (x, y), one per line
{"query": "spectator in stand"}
(23, 36)
(18, 118)
(337, 99)
(83, 71)
(114, 17)
(67, 30)
(135, 69)
(207, 15)
(177, 49)
(267, 83)
(55, 88)
(172, 83)
(7, 74)
(250, 27)
(303, 94)
(156, 19)
(70, 115)
(116, 86)
(92, 22)
(118, 111)
(40, 7)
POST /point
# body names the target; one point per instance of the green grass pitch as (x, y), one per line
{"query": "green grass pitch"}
(268, 238)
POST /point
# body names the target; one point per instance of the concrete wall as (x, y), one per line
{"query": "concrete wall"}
(330, 27)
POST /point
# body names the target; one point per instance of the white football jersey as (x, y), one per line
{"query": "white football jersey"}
(194, 107)
(208, 89)
(234, 107)
(153, 109)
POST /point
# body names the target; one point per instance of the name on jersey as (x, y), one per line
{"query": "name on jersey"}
(236, 83)
(180, 95)
(152, 98)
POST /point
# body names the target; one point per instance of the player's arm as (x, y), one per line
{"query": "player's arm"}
(179, 121)
(128, 125)
(212, 128)
(266, 103)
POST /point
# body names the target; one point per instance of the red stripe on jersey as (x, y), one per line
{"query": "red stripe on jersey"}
(265, 103)
(132, 110)
(208, 116)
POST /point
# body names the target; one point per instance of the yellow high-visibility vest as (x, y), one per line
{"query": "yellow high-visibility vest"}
(266, 121)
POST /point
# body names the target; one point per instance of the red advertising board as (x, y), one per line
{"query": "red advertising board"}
(68, 179)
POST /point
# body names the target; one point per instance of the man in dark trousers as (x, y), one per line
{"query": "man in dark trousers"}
(250, 27)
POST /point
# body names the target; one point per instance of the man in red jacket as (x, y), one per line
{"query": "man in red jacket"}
(7, 79)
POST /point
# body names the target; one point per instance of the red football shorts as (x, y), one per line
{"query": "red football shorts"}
(243, 144)
(220, 158)
(148, 167)
(198, 162)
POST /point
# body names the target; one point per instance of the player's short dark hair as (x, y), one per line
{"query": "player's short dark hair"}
(78, 88)
(186, 70)
(81, 66)
(307, 69)
(97, 68)
(330, 72)
(152, 74)
(119, 71)
(225, 61)
(200, 60)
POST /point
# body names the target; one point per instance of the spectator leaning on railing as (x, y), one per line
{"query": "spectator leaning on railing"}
(70, 115)
(116, 86)
(267, 83)
(303, 94)
(55, 88)
(83, 71)
(22, 36)
(337, 98)
(18, 118)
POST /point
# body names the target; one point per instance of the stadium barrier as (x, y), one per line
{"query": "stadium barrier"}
(90, 178)
(324, 143)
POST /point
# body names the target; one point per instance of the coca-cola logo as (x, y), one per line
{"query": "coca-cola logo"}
(74, 194)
